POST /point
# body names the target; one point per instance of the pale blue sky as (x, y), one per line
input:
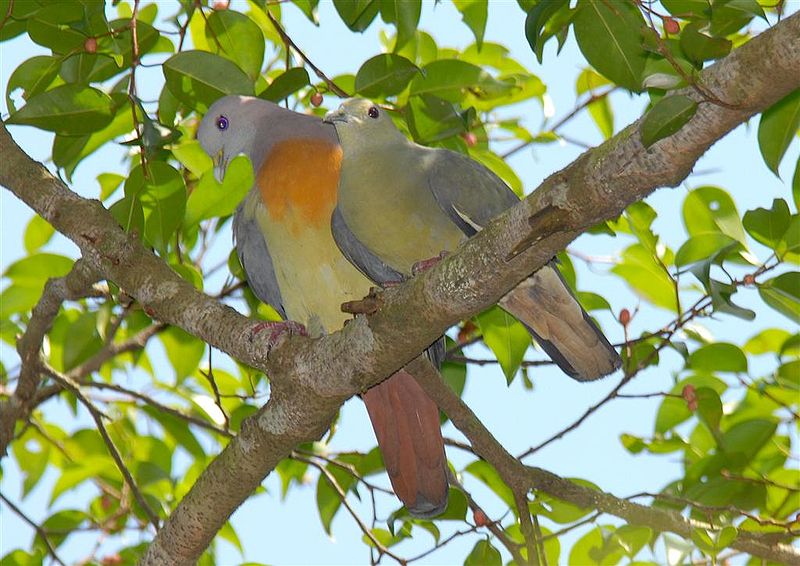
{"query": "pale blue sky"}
(290, 532)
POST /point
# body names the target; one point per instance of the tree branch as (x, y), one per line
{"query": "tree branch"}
(311, 378)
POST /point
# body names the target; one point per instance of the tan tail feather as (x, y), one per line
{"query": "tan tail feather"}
(546, 306)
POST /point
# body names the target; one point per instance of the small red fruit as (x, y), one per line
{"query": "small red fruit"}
(470, 138)
(671, 25)
(689, 394)
(749, 279)
(624, 317)
(466, 331)
(316, 99)
(480, 518)
(220, 4)
(90, 45)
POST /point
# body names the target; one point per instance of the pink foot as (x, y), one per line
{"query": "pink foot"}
(278, 331)
(426, 264)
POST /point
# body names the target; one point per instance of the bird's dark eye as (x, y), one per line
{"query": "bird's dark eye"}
(373, 112)
(222, 123)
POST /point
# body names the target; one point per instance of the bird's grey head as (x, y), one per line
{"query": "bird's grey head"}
(230, 127)
(363, 124)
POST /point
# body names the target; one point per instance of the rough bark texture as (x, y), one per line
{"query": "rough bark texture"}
(312, 378)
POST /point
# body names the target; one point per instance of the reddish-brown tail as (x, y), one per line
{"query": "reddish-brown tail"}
(406, 423)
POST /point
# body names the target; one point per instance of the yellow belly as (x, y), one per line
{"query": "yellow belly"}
(297, 185)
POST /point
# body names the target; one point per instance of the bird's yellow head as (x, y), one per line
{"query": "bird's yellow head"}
(363, 124)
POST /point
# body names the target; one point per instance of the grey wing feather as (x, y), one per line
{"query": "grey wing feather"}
(360, 255)
(469, 193)
(256, 261)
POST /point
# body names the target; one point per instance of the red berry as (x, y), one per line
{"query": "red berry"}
(689, 394)
(624, 317)
(480, 518)
(470, 138)
(671, 25)
(316, 99)
(465, 331)
(90, 45)
(749, 279)
(220, 4)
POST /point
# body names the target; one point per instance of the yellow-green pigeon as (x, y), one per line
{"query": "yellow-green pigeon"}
(285, 244)
(401, 203)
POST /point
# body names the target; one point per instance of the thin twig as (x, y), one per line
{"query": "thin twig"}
(39, 530)
(97, 416)
(289, 43)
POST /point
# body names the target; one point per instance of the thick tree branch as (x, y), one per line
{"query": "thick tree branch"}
(311, 378)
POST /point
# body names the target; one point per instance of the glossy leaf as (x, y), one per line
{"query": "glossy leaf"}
(197, 78)
(719, 356)
(506, 337)
(450, 78)
(285, 84)
(357, 14)
(32, 76)
(236, 37)
(699, 47)
(474, 13)
(777, 128)
(768, 226)
(404, 14)
(711, 209)
(67, 109)
(609, 35)
(210, 199)
(483, 554)
(384, 75)
(783, 294)
(538, 16)
(667, 117)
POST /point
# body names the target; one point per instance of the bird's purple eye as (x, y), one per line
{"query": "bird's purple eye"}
(222, 123)
(373, 112)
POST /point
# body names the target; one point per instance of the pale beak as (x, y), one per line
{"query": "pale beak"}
(335, 116)
(219, 165)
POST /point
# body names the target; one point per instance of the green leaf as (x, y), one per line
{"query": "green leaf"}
(667, 117)
(730, 16)
(782, 293)
(709, 407)
(197, 78)
(285, 84)
(796, 185)
(609, 35)
(238, 38)
(209, 199)
(646, 277)
(82, 341)
(776, 129)
(162, 195)
(54, 26)
(67, 109)
(711, 209)
(432, 119)
(474, 13)
(485, 472)
(699, 47)
(704, 246)
(357, 14)
(38, 233)
(748, 437)
(404, 14)
(451, 78)
(384, 75)
(505, 337)
(483, 554)
(32, 76)
(689, 9)
(674, 411)
(309, 8)
(328, 501)
(768, 226)
(719, 356)
(767, 341)
(183, 350)
(535, 21)
(633, 538)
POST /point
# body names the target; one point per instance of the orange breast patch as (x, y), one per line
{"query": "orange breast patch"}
(299, 179)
